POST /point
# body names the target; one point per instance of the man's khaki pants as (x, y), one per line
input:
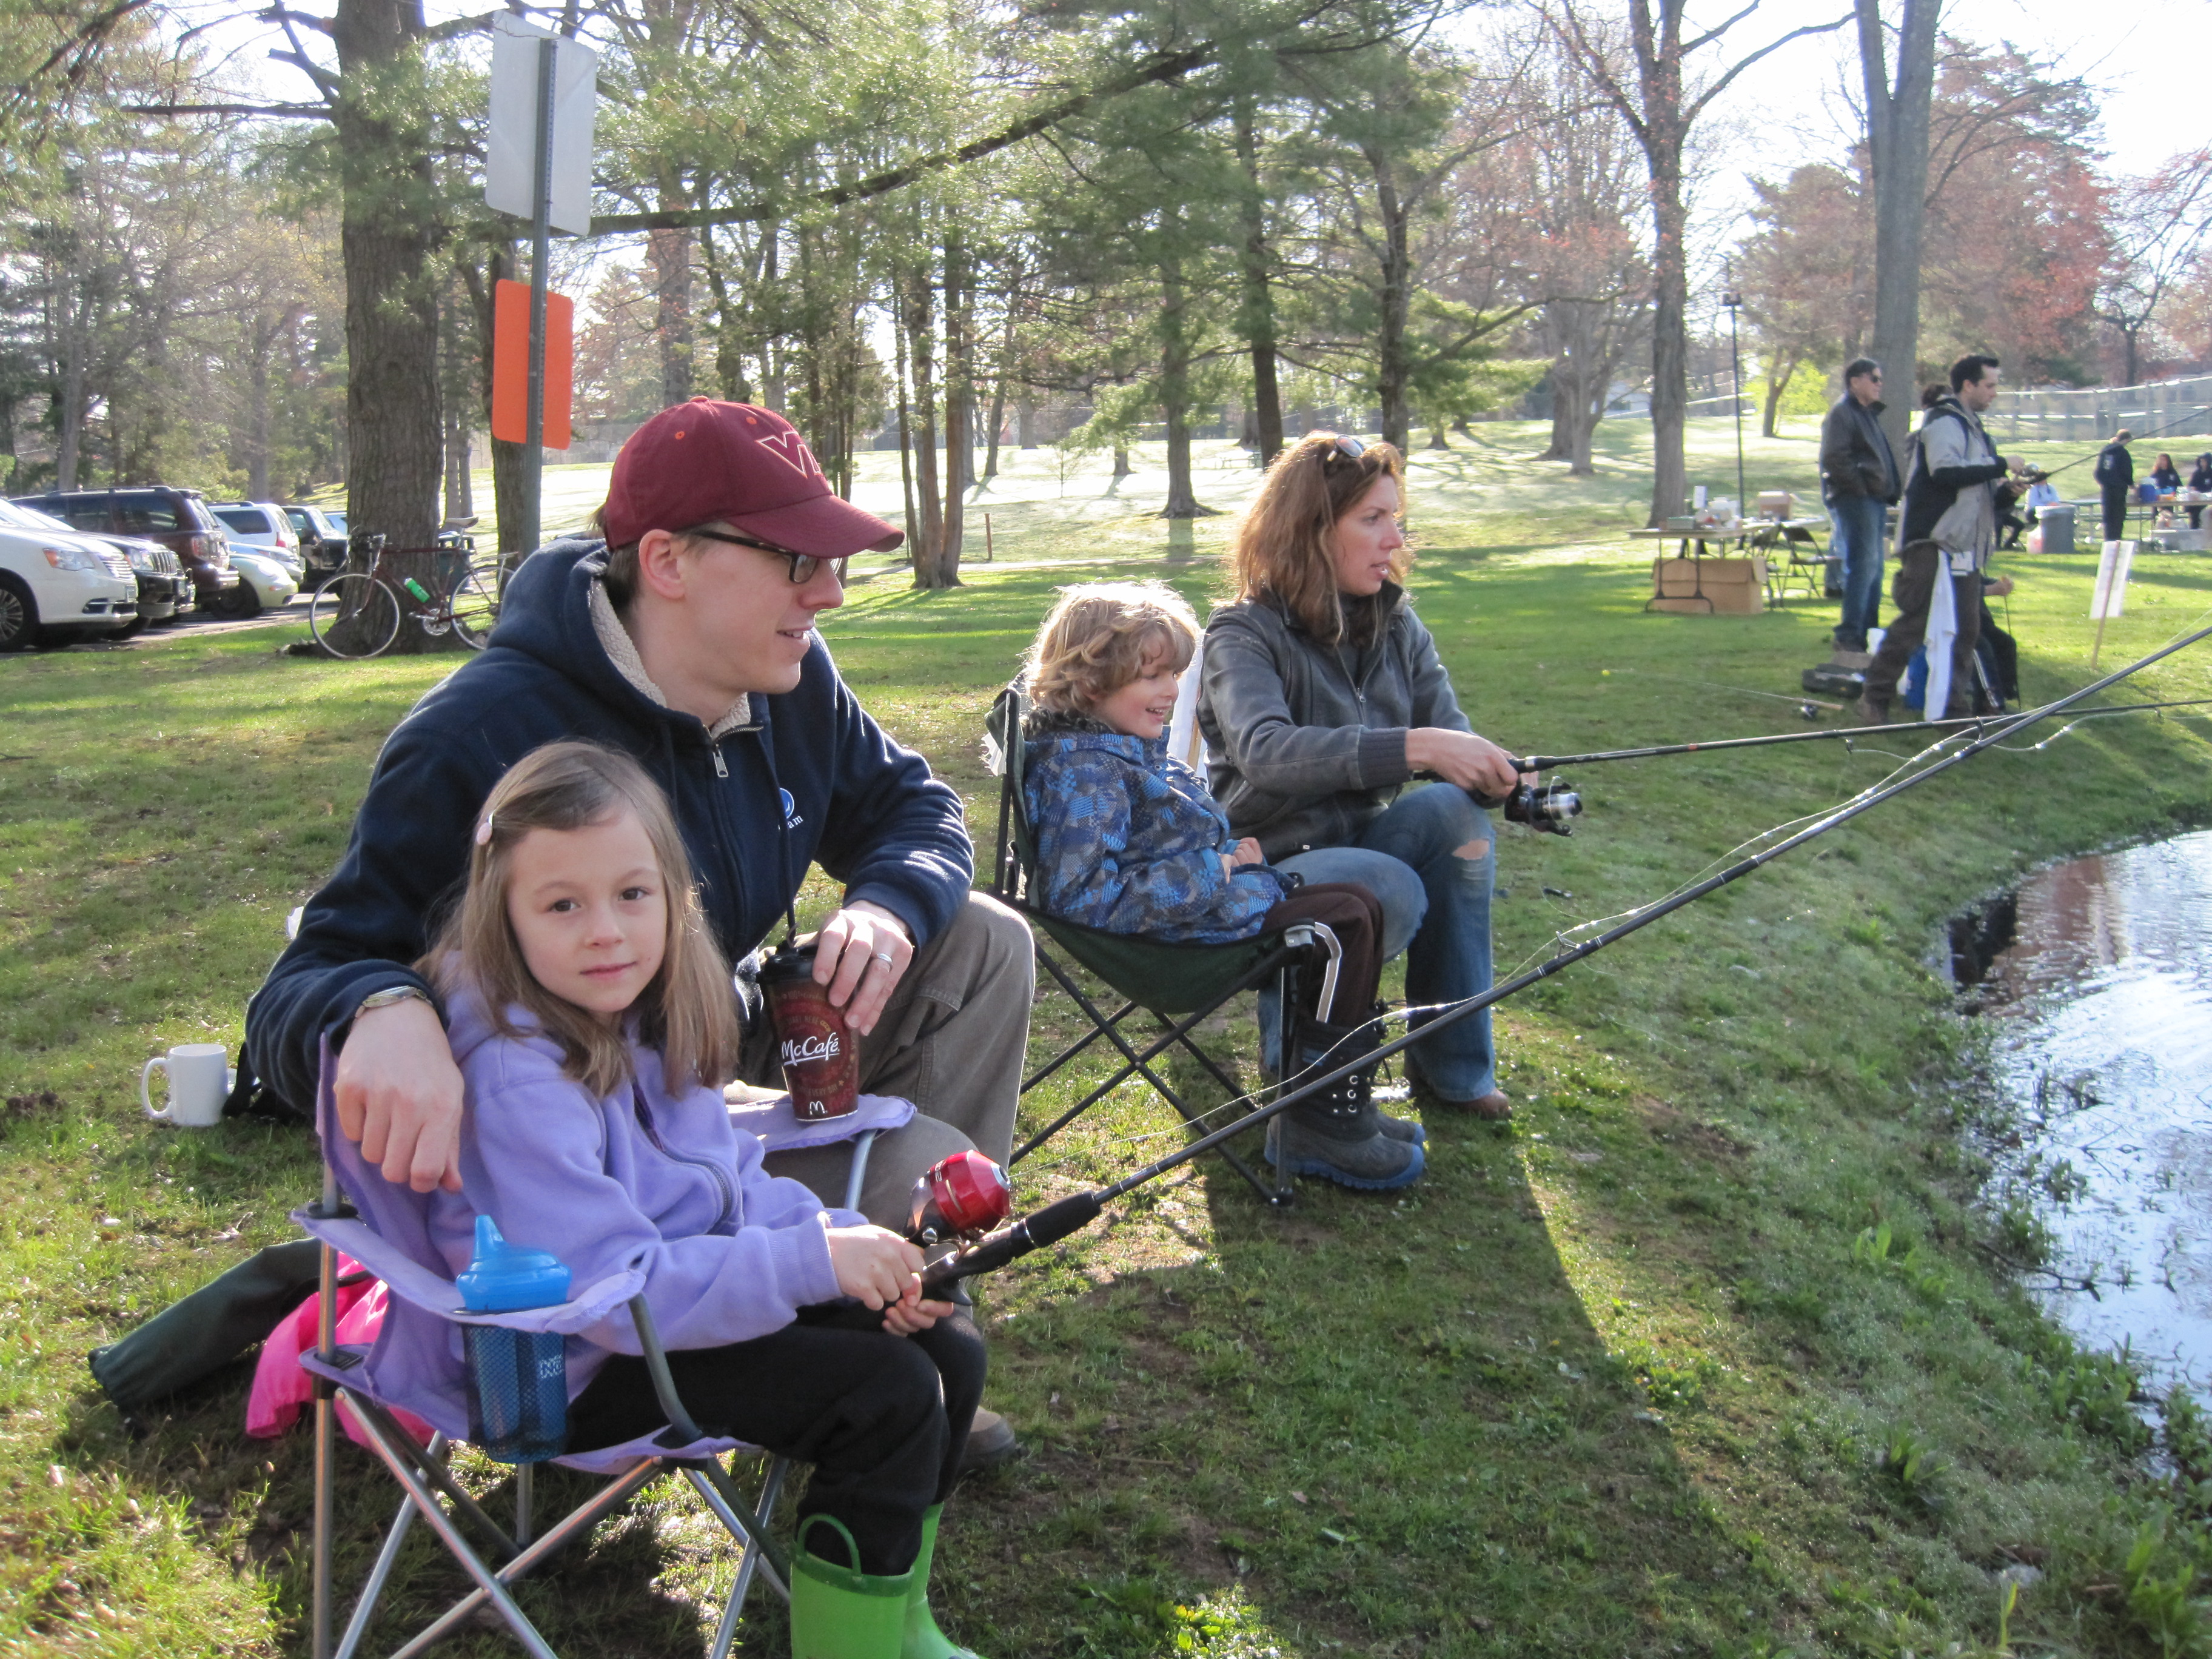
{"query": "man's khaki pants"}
(952, 1039)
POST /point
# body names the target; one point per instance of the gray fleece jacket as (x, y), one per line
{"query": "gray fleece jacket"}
(1309, 739)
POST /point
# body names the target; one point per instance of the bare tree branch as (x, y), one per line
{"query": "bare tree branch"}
(1768, 50)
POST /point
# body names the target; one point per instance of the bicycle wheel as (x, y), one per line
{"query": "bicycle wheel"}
(354, 616)
(475, 604)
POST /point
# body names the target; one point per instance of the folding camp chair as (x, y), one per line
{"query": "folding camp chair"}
(1178, 985)
(388, 1235)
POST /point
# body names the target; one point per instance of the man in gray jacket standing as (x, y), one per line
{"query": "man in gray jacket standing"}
(1858, 480)
(1949, 529)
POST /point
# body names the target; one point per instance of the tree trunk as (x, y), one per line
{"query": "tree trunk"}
(260, 342)
(1776, 385)
(1025, 422)
(388, 229)
(1256, 315)
(668, 257)
(1174, 394)
(959, 408)
(460, 493)
(1670, 339)
(905, 423)
(69, 432)
(729, 340)
(921, 350)
(1562, 446)
(1393, 373)
(996, 420)
(1122, 467)
(1897, 136)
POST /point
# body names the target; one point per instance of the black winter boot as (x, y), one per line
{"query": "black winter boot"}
(1340, 1134)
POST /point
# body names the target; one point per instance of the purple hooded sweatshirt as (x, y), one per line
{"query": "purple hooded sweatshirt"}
(643, 1180)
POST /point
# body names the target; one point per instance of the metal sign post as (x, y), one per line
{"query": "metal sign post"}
(541, 250)
(539, 164)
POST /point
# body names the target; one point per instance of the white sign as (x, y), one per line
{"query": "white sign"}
(2106, 599)
(511, 155)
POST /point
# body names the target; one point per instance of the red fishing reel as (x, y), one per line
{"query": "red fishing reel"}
(962, 1196)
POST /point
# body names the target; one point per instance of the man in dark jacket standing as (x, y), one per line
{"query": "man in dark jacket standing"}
(1858, 480)
(1945, 539)
(2115, 473)
(687, 641)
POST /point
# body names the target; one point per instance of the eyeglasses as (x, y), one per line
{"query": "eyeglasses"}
(803, 565)
(1349, 448)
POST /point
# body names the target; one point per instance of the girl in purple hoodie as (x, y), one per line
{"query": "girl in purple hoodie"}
(594, 1023)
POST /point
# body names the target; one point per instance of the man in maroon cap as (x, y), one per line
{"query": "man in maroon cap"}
(685, 638)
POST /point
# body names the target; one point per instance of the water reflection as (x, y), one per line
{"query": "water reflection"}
(2107, 1052)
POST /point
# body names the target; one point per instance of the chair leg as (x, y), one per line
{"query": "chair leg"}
(726, 1633)
(525, 1485)
(719, 1493)
(325, 1450)
(433, 1470)
(556, 1538)
(364, 1609)
(403, 1467)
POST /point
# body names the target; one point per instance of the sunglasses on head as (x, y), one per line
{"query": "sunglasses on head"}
(803, 565)
(1349, 448)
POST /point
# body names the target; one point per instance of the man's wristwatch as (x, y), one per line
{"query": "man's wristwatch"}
(388, 995)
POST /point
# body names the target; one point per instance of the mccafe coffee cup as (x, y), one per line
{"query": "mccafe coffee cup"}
(821, 1064)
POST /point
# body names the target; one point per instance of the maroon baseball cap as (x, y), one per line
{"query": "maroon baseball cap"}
(708, 460)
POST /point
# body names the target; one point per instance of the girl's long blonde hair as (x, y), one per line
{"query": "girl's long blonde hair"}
(1100, 635)
(1281, 546)
(688, 1011)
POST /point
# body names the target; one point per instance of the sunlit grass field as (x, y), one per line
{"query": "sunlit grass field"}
(1626, 1377)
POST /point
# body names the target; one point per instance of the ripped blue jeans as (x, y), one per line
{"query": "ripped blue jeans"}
(1430, 859)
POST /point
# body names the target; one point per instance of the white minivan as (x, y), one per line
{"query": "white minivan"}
(57, 585)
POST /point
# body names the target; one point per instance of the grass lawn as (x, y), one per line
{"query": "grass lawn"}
(1714, 1350)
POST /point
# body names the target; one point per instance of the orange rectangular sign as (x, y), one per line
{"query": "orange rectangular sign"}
(510, 364)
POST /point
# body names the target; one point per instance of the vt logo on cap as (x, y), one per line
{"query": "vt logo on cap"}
(791, 449)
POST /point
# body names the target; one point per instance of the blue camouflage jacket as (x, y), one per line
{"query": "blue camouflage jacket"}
(1128, 840)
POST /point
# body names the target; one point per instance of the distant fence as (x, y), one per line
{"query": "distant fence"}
(2095, 413)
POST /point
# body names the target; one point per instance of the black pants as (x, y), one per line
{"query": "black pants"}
(1355, 916)
(883, 1419)
(2116, 514)
(1911, 593)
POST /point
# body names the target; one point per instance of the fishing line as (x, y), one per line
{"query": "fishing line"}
(2147, 432)
(1069, 1215)
(1563, 939)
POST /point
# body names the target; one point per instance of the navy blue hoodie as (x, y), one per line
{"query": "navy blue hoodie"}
(811, 777)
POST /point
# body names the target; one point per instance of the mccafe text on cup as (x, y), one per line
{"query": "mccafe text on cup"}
(821, 1062)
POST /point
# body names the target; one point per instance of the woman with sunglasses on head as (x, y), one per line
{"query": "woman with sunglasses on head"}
(1322, 697)
(683, 635)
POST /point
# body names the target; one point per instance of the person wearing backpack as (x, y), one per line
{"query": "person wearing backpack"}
(1948, 529)
(2115, 474)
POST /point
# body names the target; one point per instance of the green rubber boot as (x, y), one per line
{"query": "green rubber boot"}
(923, 1638)
(841, 1612)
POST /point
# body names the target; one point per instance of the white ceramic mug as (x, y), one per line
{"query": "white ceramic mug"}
(199, 1082)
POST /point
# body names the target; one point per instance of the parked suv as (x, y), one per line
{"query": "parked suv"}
(178, 519)
(56, 585)
(262, 526)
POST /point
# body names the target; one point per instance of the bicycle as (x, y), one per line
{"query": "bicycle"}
(356, 614)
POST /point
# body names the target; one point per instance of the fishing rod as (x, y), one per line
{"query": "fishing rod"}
(1974, 722)
(1069, 1215)
(2148, 432)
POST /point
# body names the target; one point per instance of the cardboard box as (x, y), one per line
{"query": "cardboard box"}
(1737, 587)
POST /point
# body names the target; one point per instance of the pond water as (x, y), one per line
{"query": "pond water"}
(2100, 972)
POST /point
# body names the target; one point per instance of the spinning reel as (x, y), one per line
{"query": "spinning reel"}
(959, 1197)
